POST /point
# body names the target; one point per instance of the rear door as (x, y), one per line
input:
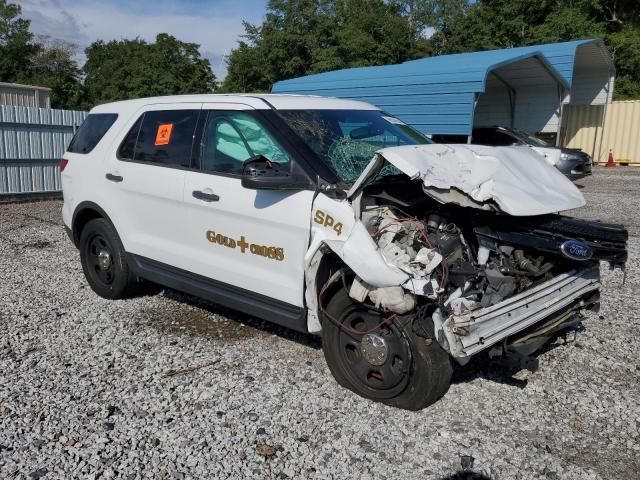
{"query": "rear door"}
(146, 176)
(251, 239)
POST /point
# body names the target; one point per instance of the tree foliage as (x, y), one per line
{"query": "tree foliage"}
(299, 37)
(113, 70)
(52, 65)
(37, 60)
(16, 42)
(488, 24)
(124, 69)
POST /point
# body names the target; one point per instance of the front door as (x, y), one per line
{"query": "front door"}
(252, 239)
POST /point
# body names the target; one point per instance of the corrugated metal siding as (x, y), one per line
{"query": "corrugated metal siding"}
(493, 106)
(621, 131)
(590, 87)
(32, 141)
(437, 94)
(434, 95)
(583, 129)
(537, 110)
(24, 96)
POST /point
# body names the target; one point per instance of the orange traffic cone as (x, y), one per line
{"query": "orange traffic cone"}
(610, 162)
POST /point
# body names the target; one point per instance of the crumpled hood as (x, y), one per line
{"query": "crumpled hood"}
(515, 179)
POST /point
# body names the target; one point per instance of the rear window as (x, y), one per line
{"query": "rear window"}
(163, 137)
(91, 132)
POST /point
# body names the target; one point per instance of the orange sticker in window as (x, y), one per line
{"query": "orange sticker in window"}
(163, 135)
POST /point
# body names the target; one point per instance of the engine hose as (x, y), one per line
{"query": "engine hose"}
(525, 264)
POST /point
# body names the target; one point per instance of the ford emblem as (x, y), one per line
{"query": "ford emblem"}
(576, 250)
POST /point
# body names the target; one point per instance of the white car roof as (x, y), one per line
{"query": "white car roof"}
(258, 101)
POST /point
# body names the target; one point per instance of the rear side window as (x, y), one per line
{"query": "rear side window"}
(162, 137)
(128, 145)
(91, 132)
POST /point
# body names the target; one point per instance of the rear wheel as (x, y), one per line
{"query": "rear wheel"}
(389, 364)
(103, 261)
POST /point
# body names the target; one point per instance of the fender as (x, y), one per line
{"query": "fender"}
(334, 225)
(78, 216)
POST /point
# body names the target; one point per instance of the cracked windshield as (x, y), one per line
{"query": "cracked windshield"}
(348, 139)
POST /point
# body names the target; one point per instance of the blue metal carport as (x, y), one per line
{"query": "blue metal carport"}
(450, 94)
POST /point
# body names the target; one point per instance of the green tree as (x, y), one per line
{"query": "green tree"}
(124, 69)
(52, 65)
(299, 37)
(16, 45)
(489, 24)
(434, 19)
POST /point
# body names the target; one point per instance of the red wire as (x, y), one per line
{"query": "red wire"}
(342, 326)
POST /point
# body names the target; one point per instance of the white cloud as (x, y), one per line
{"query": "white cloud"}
(216, 29)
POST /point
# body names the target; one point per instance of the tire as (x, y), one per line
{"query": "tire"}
(104, 262)
(414, 373)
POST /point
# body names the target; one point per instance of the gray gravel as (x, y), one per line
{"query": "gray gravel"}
(91, 388)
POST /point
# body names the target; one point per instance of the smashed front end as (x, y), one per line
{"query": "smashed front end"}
(471, 243)
(494, 280)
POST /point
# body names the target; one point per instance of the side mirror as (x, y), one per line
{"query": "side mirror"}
(260, 173)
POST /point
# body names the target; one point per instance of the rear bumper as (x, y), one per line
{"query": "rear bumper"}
(468, 334)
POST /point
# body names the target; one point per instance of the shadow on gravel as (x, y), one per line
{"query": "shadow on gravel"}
(502, 370)
(200, 321)
(466, 475)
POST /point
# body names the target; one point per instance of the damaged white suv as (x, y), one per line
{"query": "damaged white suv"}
(331, 217)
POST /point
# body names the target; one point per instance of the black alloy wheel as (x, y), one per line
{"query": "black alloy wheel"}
(380, 359)
(104, 261)
(100, 260)
(383, 361)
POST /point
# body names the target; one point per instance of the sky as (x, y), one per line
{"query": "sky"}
(216, 25)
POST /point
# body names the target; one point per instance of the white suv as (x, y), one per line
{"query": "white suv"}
(331, 217)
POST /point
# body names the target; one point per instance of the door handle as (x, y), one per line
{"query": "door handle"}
(113, 178)
(207, 197)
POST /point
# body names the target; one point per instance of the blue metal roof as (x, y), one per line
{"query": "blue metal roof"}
(434, 94)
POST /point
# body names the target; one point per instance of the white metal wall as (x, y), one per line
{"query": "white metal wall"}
(537, 109)
(591, 76)
(24, 95)
(493, 107)
(32, 141)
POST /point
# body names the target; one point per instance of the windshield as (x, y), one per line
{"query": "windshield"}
(529, 139)
(346, 140)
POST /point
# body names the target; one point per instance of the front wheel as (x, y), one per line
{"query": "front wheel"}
(388, 364)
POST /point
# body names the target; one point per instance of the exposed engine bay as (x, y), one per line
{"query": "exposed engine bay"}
(462, 262)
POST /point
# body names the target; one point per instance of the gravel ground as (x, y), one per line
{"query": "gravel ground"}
(91, 388)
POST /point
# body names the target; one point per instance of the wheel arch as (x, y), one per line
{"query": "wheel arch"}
(83, 214)
(321, 266)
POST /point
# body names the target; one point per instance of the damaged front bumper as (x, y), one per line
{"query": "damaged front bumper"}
(468, 334)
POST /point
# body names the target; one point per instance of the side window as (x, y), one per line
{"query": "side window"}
(231, 138)
(164, 137)
(91, 132)
(128, 145)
